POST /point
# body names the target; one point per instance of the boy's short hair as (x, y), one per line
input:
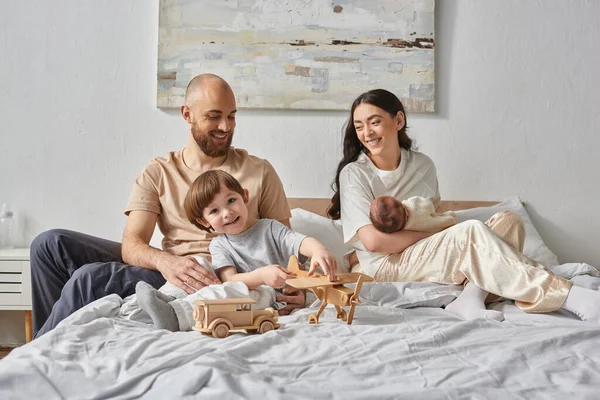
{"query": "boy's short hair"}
(203, 191)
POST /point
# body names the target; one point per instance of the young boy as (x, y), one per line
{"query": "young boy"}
(414, 214)
(247, 250)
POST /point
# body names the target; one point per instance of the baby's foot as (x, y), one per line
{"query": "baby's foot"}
(156, 305)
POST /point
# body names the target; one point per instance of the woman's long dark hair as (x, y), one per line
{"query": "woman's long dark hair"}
(352, 146)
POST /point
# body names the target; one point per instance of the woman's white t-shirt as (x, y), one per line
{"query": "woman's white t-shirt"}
(361, 181)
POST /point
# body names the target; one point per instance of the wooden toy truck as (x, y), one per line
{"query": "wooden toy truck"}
(218, 317)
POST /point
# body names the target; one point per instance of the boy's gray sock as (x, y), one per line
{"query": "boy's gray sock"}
(164, 297)
(155, 304)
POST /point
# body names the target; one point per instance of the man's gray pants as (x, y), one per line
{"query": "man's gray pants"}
(70, 270)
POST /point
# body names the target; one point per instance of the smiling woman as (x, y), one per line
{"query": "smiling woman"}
(487, 258)
(369, 119)
(374, 128)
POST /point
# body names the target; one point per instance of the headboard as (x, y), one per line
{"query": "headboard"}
(319, 205)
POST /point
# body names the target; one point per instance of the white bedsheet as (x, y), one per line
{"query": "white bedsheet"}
(387, 352)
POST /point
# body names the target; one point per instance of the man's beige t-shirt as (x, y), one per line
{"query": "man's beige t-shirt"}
(162, 186)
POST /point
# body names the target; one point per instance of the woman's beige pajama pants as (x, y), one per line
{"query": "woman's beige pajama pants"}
(474, 251)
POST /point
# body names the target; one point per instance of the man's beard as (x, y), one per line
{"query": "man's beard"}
(207, 142)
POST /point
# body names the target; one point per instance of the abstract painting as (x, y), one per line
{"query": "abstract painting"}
(299, 54)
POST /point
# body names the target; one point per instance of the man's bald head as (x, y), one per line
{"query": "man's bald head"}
(210, 110)
(202, 84)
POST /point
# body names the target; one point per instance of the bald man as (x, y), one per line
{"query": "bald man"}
(70, 269)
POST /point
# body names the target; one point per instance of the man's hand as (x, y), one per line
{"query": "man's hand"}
(294, 299)
(186, 273)
(275, 275)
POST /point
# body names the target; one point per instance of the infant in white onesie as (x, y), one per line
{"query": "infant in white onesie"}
(414, 214)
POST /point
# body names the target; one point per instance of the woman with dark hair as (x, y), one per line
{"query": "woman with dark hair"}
(378, 160)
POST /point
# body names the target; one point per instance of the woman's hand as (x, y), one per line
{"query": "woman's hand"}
(275, 275)
(186, 273)
(326, 260)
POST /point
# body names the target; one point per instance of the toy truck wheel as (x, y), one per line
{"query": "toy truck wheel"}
(342, 315)
(313, 319)
(220, 331)
(266, 326)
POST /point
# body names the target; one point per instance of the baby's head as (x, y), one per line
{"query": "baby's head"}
(387, 214)
(217, 202)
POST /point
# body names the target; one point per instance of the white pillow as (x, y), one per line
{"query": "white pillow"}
(325, 230)
(534, 247)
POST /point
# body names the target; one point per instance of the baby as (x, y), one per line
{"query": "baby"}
(414, 214)
(247, 255)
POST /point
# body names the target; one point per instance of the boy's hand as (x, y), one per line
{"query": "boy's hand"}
(326, 260)
(275, 275)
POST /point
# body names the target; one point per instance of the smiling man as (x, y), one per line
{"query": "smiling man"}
(70, 269)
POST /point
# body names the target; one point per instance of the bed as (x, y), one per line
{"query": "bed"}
(401, 345)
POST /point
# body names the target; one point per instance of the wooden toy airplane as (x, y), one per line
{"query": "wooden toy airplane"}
(329, 292)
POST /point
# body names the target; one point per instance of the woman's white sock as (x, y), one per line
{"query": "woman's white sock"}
(584, 303)
(470, 304)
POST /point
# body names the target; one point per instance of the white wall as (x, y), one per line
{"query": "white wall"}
(518, 101)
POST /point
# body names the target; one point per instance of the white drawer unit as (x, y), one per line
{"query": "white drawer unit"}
(15, 284)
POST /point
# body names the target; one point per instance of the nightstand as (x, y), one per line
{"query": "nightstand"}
(15, 284)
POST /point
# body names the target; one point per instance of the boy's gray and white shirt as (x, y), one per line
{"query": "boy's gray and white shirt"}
(267, 242)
